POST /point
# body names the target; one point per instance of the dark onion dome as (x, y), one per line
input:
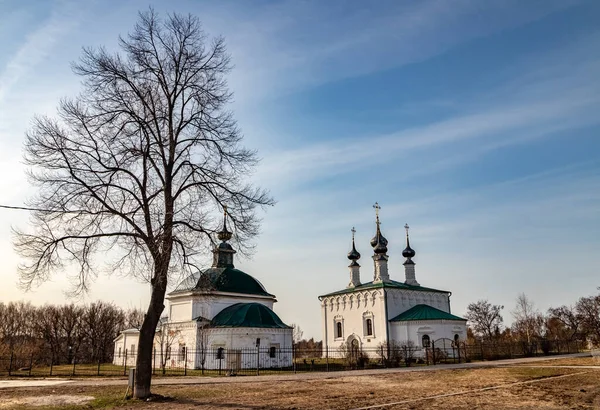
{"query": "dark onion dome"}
(408, 252)
(248, 315)
(353, 255)
(379, 243)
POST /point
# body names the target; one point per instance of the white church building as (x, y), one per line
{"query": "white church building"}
(366, 315)
(217, 318)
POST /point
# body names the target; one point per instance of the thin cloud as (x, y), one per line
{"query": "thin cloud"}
(38, 45)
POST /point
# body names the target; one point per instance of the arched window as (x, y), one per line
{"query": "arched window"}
(339, 329)
(272, 351)
(369, 327)
(456, 339)
(220, 352)
(425, 341)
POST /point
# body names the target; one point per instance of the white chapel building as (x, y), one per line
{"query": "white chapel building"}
(383, 310)
(216, 318)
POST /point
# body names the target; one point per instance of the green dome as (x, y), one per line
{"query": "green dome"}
(248, 315)
(223, 280)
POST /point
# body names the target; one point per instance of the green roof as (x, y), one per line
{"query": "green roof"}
(392, 284)
(227, 279)
(248, 315)
(425, 312)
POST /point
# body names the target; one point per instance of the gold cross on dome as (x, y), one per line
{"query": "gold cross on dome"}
(407, 228)
(377, 208)
(353, 232)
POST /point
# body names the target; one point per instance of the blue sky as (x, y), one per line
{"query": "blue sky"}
(475, 122)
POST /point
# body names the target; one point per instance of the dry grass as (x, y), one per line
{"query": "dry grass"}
(570, 361)
(576, 391)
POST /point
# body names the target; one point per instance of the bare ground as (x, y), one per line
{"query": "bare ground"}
(517, 387)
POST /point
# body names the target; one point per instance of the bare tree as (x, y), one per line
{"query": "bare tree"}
(485, 318)
(72, 330)
(136, 166)
(101, 323)
(164, 338)
(297, 333)
(203, 342)
(134, 318)
(528, 322)
(588, 309)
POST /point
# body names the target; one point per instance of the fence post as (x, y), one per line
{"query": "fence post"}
(51, 365)
(481, 349)
(74, 361)
(125, 363)
(154, 361)
(327, 357)
(257, 359)
(185, 363)
(10, 363)
(294, 358)
(30, 363)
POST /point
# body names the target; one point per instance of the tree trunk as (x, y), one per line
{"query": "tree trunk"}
(143, 374)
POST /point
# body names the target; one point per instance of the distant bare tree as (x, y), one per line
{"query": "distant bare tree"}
(137, 164)
(297, 333)
(134, 318)
(48, 327)
(164, 338)
(101, 323)
(528, 321)
(202, 342)
(485, 318)
(569, 320)
(72, 329)
(588, 309)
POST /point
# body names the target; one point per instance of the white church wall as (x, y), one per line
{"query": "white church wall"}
(400, 300)
(414, 331)
(353, 311)
(180, 311)
(241, 351)
(190, 306)
(126, 345)
(216, 305)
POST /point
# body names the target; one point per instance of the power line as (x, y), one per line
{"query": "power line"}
(24, 208)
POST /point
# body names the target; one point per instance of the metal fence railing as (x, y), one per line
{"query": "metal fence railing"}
(252, 361)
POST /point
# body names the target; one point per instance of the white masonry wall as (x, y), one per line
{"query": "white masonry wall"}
(352, 310)
(440, 331)
(188, 307)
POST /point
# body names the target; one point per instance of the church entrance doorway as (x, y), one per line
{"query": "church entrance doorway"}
(354, 355)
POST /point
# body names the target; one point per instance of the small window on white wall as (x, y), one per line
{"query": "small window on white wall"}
(369, 327)
(338, 330)
(368, 324)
